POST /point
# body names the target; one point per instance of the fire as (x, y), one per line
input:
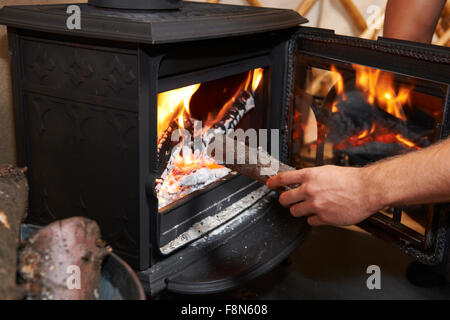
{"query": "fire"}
(173, 105)
(253, 78)
(379, 89)
(339, 82)
(257, 77)
(187, 167)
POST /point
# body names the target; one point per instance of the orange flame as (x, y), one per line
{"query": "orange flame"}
(257, 77)
(254, 78)
(338, 82)
(174, 104)
(379, 88)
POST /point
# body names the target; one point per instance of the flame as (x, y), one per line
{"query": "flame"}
(338, 82)
(334, 107)
(406, 142)
(174, 104)
(364, 134)
(257, 77)
(379, 89)
(254, 78)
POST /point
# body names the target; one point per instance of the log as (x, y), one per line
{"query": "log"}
(52, 258)
(243, 103)
(166, 145)
(13, 208)
(241, 164)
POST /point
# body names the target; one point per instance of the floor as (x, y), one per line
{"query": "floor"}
(332, 264)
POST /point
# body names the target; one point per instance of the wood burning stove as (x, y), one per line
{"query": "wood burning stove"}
(93, 107)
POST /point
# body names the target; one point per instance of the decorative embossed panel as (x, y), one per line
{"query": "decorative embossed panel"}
(83, 161)
(83, 73)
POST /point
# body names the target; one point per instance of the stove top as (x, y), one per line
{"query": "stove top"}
(193, 21)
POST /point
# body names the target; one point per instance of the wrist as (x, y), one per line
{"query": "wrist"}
(374, 188)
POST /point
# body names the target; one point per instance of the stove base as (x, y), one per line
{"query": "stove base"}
(251, 244)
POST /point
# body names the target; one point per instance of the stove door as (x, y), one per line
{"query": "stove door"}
(357, 101)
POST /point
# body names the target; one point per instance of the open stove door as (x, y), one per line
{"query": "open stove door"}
(356, 101)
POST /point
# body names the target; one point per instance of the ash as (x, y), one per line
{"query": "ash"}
(184, 178)
(212, 222)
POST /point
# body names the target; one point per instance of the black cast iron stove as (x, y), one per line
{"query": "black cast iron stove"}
(92, 113)
(86, 107)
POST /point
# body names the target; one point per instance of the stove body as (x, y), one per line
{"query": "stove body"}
(86, 110)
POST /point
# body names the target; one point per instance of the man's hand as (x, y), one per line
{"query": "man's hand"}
(327, 195)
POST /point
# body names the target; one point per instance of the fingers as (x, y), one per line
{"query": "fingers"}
(314, 221)
(286, 178)
(290, 197)
(302, 209)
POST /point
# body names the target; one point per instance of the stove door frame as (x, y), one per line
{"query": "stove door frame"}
(402, 57)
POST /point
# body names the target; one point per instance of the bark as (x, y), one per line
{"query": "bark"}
(242, 104)
(50, 259)
(13, 208)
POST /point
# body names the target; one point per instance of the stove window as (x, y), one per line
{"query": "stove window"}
(351, 115)
(188, 118)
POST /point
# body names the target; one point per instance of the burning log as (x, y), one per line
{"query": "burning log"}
(166, 145)
(13, 208)
(357, 115)
(243, 103)
(261, 169)
(183, 175)
(62, 261)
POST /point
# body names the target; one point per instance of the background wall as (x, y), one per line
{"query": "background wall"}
(328, 14)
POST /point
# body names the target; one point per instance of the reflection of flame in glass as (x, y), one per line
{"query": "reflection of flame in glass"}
(338, 81)
(379, 88)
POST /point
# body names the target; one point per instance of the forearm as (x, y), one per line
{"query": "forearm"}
(418, 177)
(413, 20)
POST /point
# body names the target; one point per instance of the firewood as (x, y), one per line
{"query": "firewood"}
(62, 261)
(166, 145)
(242, 104)
(241, 154)
(13, 208)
